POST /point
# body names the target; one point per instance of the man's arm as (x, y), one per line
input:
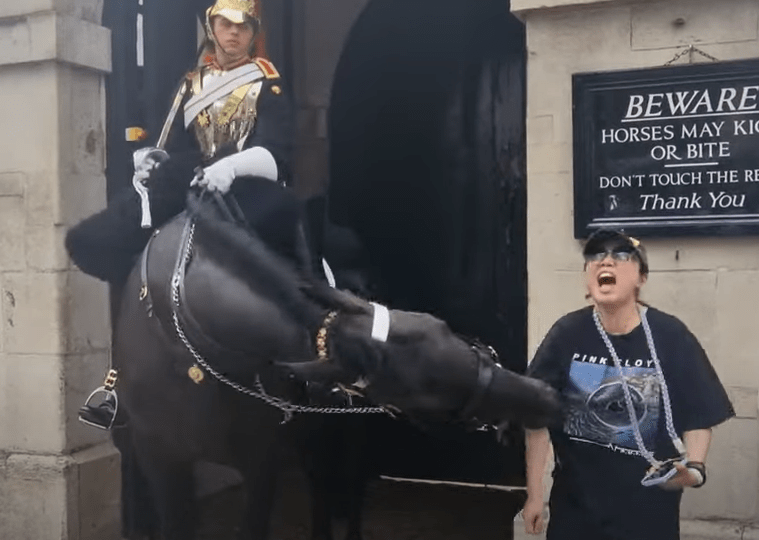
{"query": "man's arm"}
(538, 446)
(697, 444)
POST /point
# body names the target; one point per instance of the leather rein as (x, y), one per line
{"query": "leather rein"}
(487, 363)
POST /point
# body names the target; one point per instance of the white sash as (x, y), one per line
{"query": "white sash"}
(220, 87)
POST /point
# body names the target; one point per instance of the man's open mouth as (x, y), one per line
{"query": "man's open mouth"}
(606, 278)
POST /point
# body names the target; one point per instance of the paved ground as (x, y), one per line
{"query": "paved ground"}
(689, 530)
(403, 511)
(395, 511)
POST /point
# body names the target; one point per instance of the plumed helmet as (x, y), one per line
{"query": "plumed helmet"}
(237, 11)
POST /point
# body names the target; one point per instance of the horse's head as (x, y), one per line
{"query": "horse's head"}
(413, 362)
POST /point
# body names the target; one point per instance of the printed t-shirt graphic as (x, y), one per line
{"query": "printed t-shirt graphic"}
(598, 412)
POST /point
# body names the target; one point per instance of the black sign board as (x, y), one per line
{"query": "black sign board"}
(668, 151)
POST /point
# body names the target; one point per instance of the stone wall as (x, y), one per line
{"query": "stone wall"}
(712, 284)
(57, 479)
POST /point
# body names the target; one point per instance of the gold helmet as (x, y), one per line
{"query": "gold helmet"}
(237, 11)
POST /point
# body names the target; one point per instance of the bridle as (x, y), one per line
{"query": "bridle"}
(486, 356)
(487, 363)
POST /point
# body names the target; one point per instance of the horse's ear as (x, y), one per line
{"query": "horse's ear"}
(336, 299)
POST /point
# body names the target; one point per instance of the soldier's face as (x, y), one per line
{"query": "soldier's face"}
(234, 39)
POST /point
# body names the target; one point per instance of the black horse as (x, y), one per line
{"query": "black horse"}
(210, 297)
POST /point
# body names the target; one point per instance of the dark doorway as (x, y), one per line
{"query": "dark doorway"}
(427, 133)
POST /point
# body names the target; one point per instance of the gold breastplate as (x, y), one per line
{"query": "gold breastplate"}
(227, 121)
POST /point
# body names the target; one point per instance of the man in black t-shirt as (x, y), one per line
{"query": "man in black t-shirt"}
(603, 361)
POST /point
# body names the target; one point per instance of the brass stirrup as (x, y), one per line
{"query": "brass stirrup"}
(109, 389)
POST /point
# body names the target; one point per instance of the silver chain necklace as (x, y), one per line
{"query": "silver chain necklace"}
(628, 397)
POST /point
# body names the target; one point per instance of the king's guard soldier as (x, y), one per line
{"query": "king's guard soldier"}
(230, 118)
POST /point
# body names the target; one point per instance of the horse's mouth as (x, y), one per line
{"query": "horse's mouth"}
(606, 278)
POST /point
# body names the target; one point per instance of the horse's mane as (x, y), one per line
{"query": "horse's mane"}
(241, 251)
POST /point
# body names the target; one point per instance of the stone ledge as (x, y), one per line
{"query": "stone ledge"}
(522, 7)
(60, 496)
(49, 36)
(689, 530)
(716, 530)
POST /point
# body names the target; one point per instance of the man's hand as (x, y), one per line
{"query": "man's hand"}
(256, 161)
(147, 159)
(217, 177)
(533, 514)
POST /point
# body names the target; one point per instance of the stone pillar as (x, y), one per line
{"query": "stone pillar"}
(710, 283)
(320, 30)
(58, 479)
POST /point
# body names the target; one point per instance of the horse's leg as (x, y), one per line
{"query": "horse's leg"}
(260, 472)
(314, 442)
(321, 504)
(138, 515)
(356, 491)
(356, 460)
(173, 489)
(334, 458)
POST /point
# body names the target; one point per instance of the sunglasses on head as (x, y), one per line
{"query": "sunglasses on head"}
(620, 254)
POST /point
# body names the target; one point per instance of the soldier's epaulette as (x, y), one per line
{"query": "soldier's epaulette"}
(270, 72)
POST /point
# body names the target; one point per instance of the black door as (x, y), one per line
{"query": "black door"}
(427, 125)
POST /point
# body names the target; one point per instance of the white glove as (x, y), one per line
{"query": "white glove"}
(256, 161)
(146, 159)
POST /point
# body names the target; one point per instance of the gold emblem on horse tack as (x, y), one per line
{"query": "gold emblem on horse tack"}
(196, 374)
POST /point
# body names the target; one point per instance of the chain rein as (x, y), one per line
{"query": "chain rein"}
(288, 409)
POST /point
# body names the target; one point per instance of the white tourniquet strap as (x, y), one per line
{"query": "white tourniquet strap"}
(381, 324)
(219, 88)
